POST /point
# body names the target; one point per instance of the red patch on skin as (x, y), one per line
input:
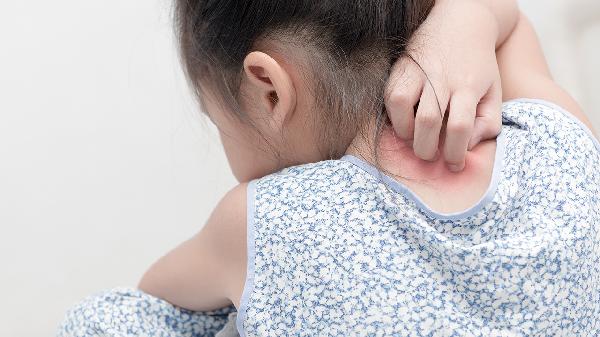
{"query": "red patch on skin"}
(397, 157)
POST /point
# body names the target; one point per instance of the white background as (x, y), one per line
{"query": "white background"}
(105, 163)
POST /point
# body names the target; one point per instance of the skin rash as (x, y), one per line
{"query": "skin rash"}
(433, 181)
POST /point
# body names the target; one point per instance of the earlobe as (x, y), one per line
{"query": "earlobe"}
(274, 85)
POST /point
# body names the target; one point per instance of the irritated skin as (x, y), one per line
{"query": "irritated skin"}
(433, 181)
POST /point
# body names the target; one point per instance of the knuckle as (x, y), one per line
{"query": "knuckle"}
(470, 81)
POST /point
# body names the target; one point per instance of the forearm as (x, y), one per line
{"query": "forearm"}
(505, 14)
(525, 73)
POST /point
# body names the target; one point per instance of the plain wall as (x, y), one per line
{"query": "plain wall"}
(105, 162)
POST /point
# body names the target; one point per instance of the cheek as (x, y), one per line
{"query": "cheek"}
(246, 159)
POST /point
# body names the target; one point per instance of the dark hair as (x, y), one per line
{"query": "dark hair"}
(352, 45)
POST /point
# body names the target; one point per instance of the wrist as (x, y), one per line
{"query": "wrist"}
(506, 13)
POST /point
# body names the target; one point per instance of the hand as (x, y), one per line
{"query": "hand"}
(450, 66)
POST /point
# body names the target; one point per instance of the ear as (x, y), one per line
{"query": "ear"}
(274, 85)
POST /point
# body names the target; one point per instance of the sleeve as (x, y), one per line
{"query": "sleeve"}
(131, 312)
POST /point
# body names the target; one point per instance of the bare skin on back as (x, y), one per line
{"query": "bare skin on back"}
(432, 181)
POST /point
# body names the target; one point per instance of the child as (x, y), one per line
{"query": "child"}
(338, 228)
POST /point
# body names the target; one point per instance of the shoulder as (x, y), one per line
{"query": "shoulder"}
(231, 210)
(552, 120)
(227, 224)
(306, 178)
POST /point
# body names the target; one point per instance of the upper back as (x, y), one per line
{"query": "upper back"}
(337, 248)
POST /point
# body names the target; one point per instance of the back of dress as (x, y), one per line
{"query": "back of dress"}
(338, 249)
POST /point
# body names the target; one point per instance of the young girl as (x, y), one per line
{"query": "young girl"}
(338, 227)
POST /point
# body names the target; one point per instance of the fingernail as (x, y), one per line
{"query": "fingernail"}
(455, 168)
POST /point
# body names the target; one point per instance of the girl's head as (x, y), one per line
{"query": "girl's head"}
(292, 81)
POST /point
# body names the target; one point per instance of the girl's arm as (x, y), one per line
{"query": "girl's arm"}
(525, 73)
(203, 273)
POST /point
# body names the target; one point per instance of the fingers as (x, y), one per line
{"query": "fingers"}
(459, 129)
(403, 93)
(488, 120)
(428, 123)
